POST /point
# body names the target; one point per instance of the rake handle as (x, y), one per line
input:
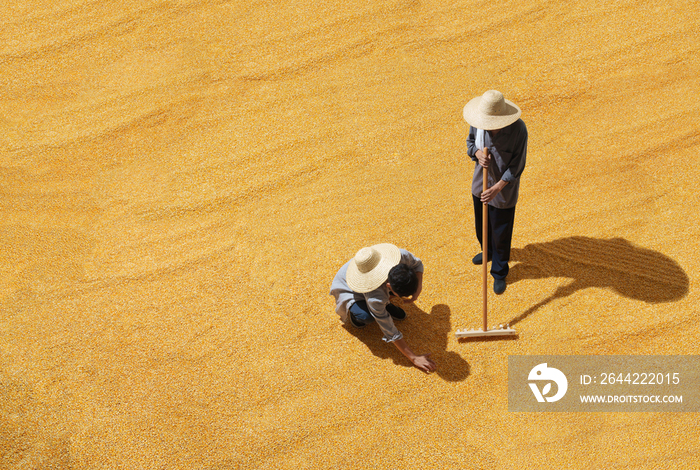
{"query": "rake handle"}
(485, 246)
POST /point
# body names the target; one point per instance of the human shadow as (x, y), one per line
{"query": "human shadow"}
(424, 333)
(631, 271)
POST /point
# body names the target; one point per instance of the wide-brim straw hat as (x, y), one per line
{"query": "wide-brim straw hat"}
(491, 111)
(370, 267)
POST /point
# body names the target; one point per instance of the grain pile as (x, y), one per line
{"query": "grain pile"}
(181, 180)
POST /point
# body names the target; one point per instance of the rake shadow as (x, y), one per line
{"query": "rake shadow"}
(487, 339)
(631, 271)
(425, 333)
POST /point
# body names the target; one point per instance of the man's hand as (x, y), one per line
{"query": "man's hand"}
(488, 195)
(484, 158)
(424, 363)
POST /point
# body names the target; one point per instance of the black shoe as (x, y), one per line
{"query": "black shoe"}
(499, 286)
(354, 322)
(478, 259)
(397, 313)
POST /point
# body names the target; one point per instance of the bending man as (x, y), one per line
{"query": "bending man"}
(364, 285)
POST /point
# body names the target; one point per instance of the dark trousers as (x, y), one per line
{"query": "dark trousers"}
(360, 312)
(500, 235)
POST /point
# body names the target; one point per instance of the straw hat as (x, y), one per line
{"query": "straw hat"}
(370, 267)
(491, 111)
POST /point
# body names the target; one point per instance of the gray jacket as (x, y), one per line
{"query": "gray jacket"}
(508, 150)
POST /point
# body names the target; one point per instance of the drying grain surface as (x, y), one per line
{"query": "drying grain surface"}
(181, 180)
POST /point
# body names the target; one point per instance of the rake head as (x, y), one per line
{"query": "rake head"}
(500, 331)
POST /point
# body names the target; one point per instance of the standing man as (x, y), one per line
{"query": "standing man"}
(498, 142)
(364, 285)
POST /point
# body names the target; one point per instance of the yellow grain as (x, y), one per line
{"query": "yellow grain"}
(182, 180)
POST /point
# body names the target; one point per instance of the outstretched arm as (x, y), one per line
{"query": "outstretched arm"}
(423, 362)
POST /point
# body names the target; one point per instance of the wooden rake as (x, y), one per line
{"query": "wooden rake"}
(484, 331)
